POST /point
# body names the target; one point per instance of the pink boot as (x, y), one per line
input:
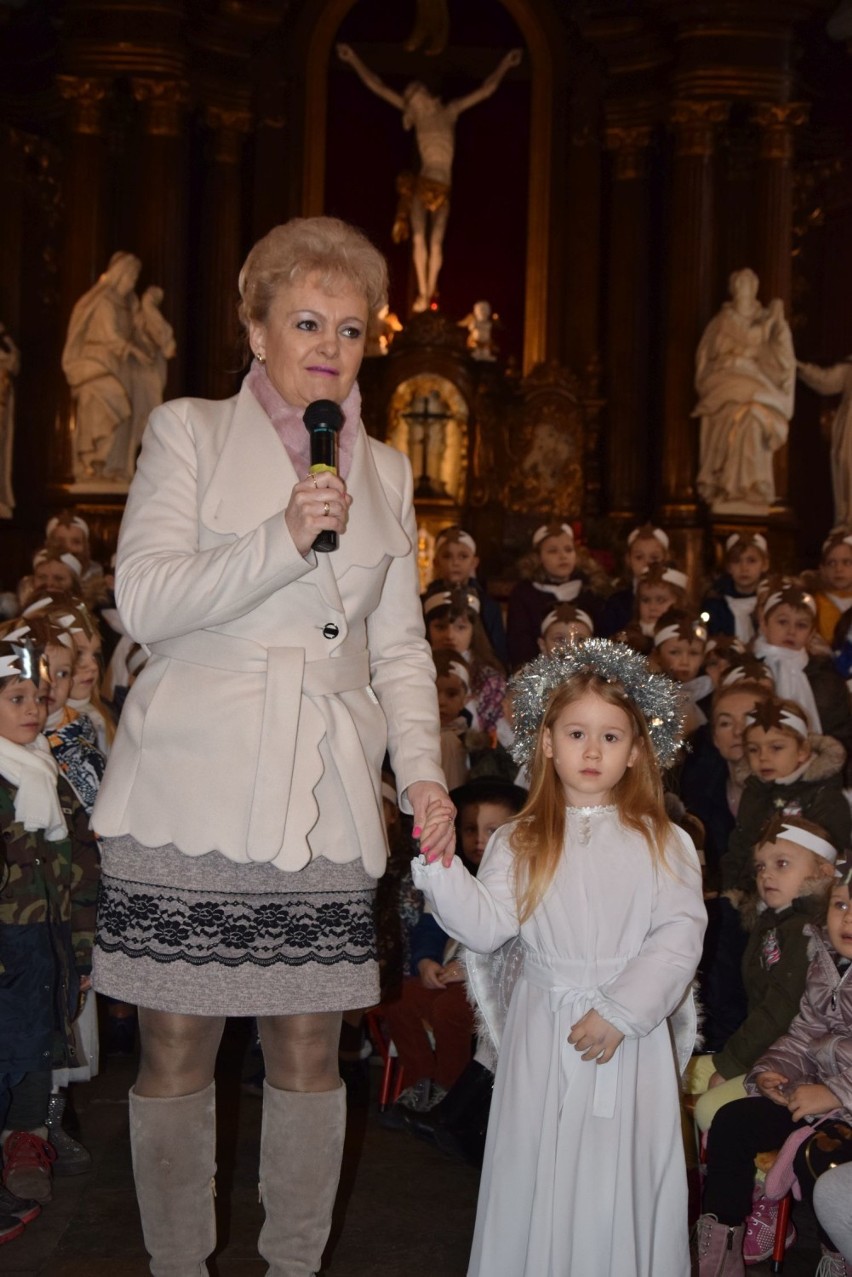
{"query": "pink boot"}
(719, 1248)
(759, 1240)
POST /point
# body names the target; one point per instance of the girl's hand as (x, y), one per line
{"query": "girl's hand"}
(434, 820)
(596, 1037)
(306, 514)
(430, 973)
(771, 1085)
(810, 1099)
(452, 973)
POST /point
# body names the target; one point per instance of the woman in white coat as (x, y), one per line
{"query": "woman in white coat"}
(240, 815)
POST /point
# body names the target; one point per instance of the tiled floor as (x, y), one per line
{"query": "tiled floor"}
(403, 1209)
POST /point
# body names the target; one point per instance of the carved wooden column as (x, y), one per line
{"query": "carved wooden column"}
(161, 234)
(690, 299)
(222, 254)
(85, 249)
(582, 236)
(627, 465)
(774, 239)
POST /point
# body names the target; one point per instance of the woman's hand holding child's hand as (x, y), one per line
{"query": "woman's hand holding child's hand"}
(596, 1037)
(434, 820)
(431, 973)
(770, 1084)
(810, 1099)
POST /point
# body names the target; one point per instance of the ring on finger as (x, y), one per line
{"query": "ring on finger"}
(326, 507)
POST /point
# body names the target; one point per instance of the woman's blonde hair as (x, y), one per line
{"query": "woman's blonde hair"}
(322, 246)
(538, 836)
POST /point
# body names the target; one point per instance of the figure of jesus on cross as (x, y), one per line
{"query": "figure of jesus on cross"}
(425, 197)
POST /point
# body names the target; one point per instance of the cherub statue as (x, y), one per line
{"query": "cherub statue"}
(424, 206)
(381, 331)
(479, 324)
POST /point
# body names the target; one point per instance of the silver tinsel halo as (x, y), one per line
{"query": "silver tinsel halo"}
(657, 696)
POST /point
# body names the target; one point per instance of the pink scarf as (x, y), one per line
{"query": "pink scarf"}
(290, 428)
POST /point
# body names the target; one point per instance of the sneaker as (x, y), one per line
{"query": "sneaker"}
(10, 1228)
(832, 1264)
(759, 1240)
(23, 1209)
(27, 1160)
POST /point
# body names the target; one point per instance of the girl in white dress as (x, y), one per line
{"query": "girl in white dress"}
(584, 1172)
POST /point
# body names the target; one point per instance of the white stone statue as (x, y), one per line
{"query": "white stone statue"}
(480, 325)
(425, 198)
(155, 336)
(836, 380)
(10, 363)
(101, 355)
(745, 376)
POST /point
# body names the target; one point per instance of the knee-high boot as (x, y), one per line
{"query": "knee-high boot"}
(173, 1143)
(301, 1146)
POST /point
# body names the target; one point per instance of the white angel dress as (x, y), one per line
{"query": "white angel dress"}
(584, 1172)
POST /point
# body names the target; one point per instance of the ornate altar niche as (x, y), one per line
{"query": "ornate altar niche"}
(494, 451)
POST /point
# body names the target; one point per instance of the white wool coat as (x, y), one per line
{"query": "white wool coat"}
(259, 724)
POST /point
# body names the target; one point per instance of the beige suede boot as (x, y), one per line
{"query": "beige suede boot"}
(301, 1145)
(173, 1143)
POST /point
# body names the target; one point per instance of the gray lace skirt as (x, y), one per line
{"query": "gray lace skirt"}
(206, 936)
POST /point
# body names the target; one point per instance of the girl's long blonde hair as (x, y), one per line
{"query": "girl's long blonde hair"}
(538, 836)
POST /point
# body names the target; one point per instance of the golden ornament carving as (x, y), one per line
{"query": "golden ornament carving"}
(87, 96)
(776, 121)
(695, 125)
(629, 146)
(229, 125)
(165, 101)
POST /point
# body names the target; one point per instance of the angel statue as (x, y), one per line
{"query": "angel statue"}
(424, 205)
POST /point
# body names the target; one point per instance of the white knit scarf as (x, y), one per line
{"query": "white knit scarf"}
(788, 670)
(31, 769)
(564, 591)
(742, 610)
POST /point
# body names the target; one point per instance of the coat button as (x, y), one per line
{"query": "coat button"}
(330, 631)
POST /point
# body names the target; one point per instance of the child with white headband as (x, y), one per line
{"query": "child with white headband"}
(452, 679)
(793, 866)
(834, 597)
(680, 639)
(799, 1100)
(453, 622)
(455, 564)
(793, 771)
(731, 600)
(557, 579)
(786, 619)
(646, 545)
(563, 626)
(68, 533)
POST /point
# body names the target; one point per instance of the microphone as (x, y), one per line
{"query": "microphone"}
(323, 419)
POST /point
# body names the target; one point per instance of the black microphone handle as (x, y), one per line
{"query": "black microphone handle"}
(324, 460)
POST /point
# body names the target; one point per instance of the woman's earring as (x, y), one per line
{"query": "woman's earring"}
(261, 359)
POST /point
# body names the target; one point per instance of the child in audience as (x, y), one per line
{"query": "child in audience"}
(68, 533)
(802, 1086)
(46, 920)
(455, 564)
(558, 580)
(453, 622)
(834, 595)
(563, 626)
(582, 1163)
(786, 619)
(720, 653)
(452, 678)
(53, 573)
(793, 771)
(731, 601)
(793, 866)
(679, 642)
(646, 545)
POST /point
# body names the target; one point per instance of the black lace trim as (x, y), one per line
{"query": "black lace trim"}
(200, 927)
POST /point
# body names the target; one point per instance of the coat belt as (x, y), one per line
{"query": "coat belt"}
(301, 707)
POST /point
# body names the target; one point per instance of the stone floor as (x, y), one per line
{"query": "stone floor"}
(403, 1211)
